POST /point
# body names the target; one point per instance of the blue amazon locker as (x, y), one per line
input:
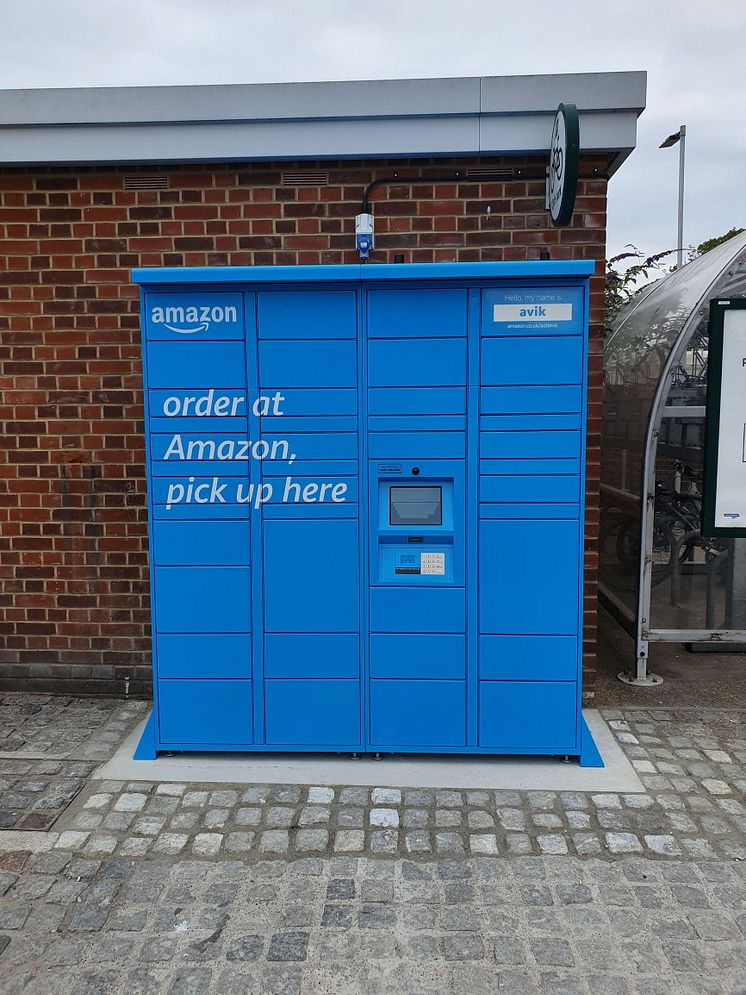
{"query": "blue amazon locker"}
(365, 494)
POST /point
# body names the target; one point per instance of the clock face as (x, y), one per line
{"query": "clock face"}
(563, 165)
(557, 158)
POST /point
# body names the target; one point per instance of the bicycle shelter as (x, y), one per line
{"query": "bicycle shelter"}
(658, 576)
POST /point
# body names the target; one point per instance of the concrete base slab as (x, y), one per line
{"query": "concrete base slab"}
(398, 770)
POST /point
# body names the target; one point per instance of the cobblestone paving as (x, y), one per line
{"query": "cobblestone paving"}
(187, 889)
(65, 727)
(345, 925)
(33, 793)
(693, 767)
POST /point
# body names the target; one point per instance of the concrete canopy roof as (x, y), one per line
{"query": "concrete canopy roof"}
(487, 115)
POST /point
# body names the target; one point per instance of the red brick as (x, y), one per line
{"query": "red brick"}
(74, 567)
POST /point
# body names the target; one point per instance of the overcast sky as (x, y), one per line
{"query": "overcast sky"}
(693, 52)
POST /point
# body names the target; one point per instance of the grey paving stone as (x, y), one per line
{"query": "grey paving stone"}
(349, 840)
(340, 889)
(386, 796)
(459, 918)
(239, 842)
(127, 922)
(551, 951)
(384, 841)
(280, 816)
(337, 916)
(683, 956)
(256, 794)
(463, 946)
(158, 950)
(574, 893)
(516, 983)
(536, 895)
(449, 799)
(149, 825)
(376, 916)
(184, 820)
(351, 818)
(518, 844)
(87, 920)
(578, 820)
(573, 800)
(310, 839)
(248, 947)
(215, 818)
(690, 897)
(288, 946)
(194, 799)
(248, 816)
(483, 843)
(320, 795)
(711, 926)
(162, 805)
(623, 843)
(376, 890)
(354, 796)
(449, 843)
(512, 818)
(7, 878)
(171, 789)
(542, 799)
(384, 817)
(190, 981)
(448, 818)
(508, 950)
(274, 841)
(481, 799)
(552, 843)
(290, 794)
(313, 815)
(420, 797)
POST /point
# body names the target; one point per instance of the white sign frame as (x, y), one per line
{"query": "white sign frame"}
(724, 491)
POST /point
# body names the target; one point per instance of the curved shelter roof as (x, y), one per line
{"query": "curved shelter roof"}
(655, 392)
(648, 343)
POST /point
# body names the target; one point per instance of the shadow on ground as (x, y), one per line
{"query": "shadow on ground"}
(690, 680)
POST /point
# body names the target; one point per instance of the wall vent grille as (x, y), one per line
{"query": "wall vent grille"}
(305, 178)
(146, 181)
(489, 173)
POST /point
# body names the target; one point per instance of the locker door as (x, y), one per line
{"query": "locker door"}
(202, 560)
(530, 536)
(311, 549)
(417, 372)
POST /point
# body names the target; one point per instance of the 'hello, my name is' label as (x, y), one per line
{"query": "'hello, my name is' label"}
(532, 312)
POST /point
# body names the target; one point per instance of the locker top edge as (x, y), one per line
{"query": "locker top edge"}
(560, 268)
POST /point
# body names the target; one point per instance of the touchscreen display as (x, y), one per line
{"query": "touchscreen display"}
(416, 505)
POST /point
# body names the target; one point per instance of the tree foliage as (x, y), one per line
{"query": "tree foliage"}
(637, 270)
(710, 243)
(623, 284)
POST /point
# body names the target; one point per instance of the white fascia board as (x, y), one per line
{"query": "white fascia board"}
(603, 132)
(240, 102)
(589, 91)
(228, 142)
(368, 119)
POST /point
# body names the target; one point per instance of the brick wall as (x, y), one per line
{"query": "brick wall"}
(73, 531)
